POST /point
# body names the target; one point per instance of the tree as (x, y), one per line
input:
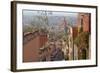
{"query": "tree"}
(27, 28)
(82, 40)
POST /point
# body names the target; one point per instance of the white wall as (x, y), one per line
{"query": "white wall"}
(5, 37)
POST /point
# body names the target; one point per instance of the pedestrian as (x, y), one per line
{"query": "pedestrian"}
(57, 53)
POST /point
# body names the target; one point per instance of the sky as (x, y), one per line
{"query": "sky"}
(54, 17)
(49, 13)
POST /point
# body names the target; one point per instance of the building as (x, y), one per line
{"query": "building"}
(75, 48)
(84, 25)
(32, 43)
(84, 22)
(75, 32)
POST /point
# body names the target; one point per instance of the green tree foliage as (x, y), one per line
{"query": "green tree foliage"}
(82, 40)
(27, 29)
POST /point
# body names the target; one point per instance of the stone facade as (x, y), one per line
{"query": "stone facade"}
(32, 45)
(85, 26)
(84, 21)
